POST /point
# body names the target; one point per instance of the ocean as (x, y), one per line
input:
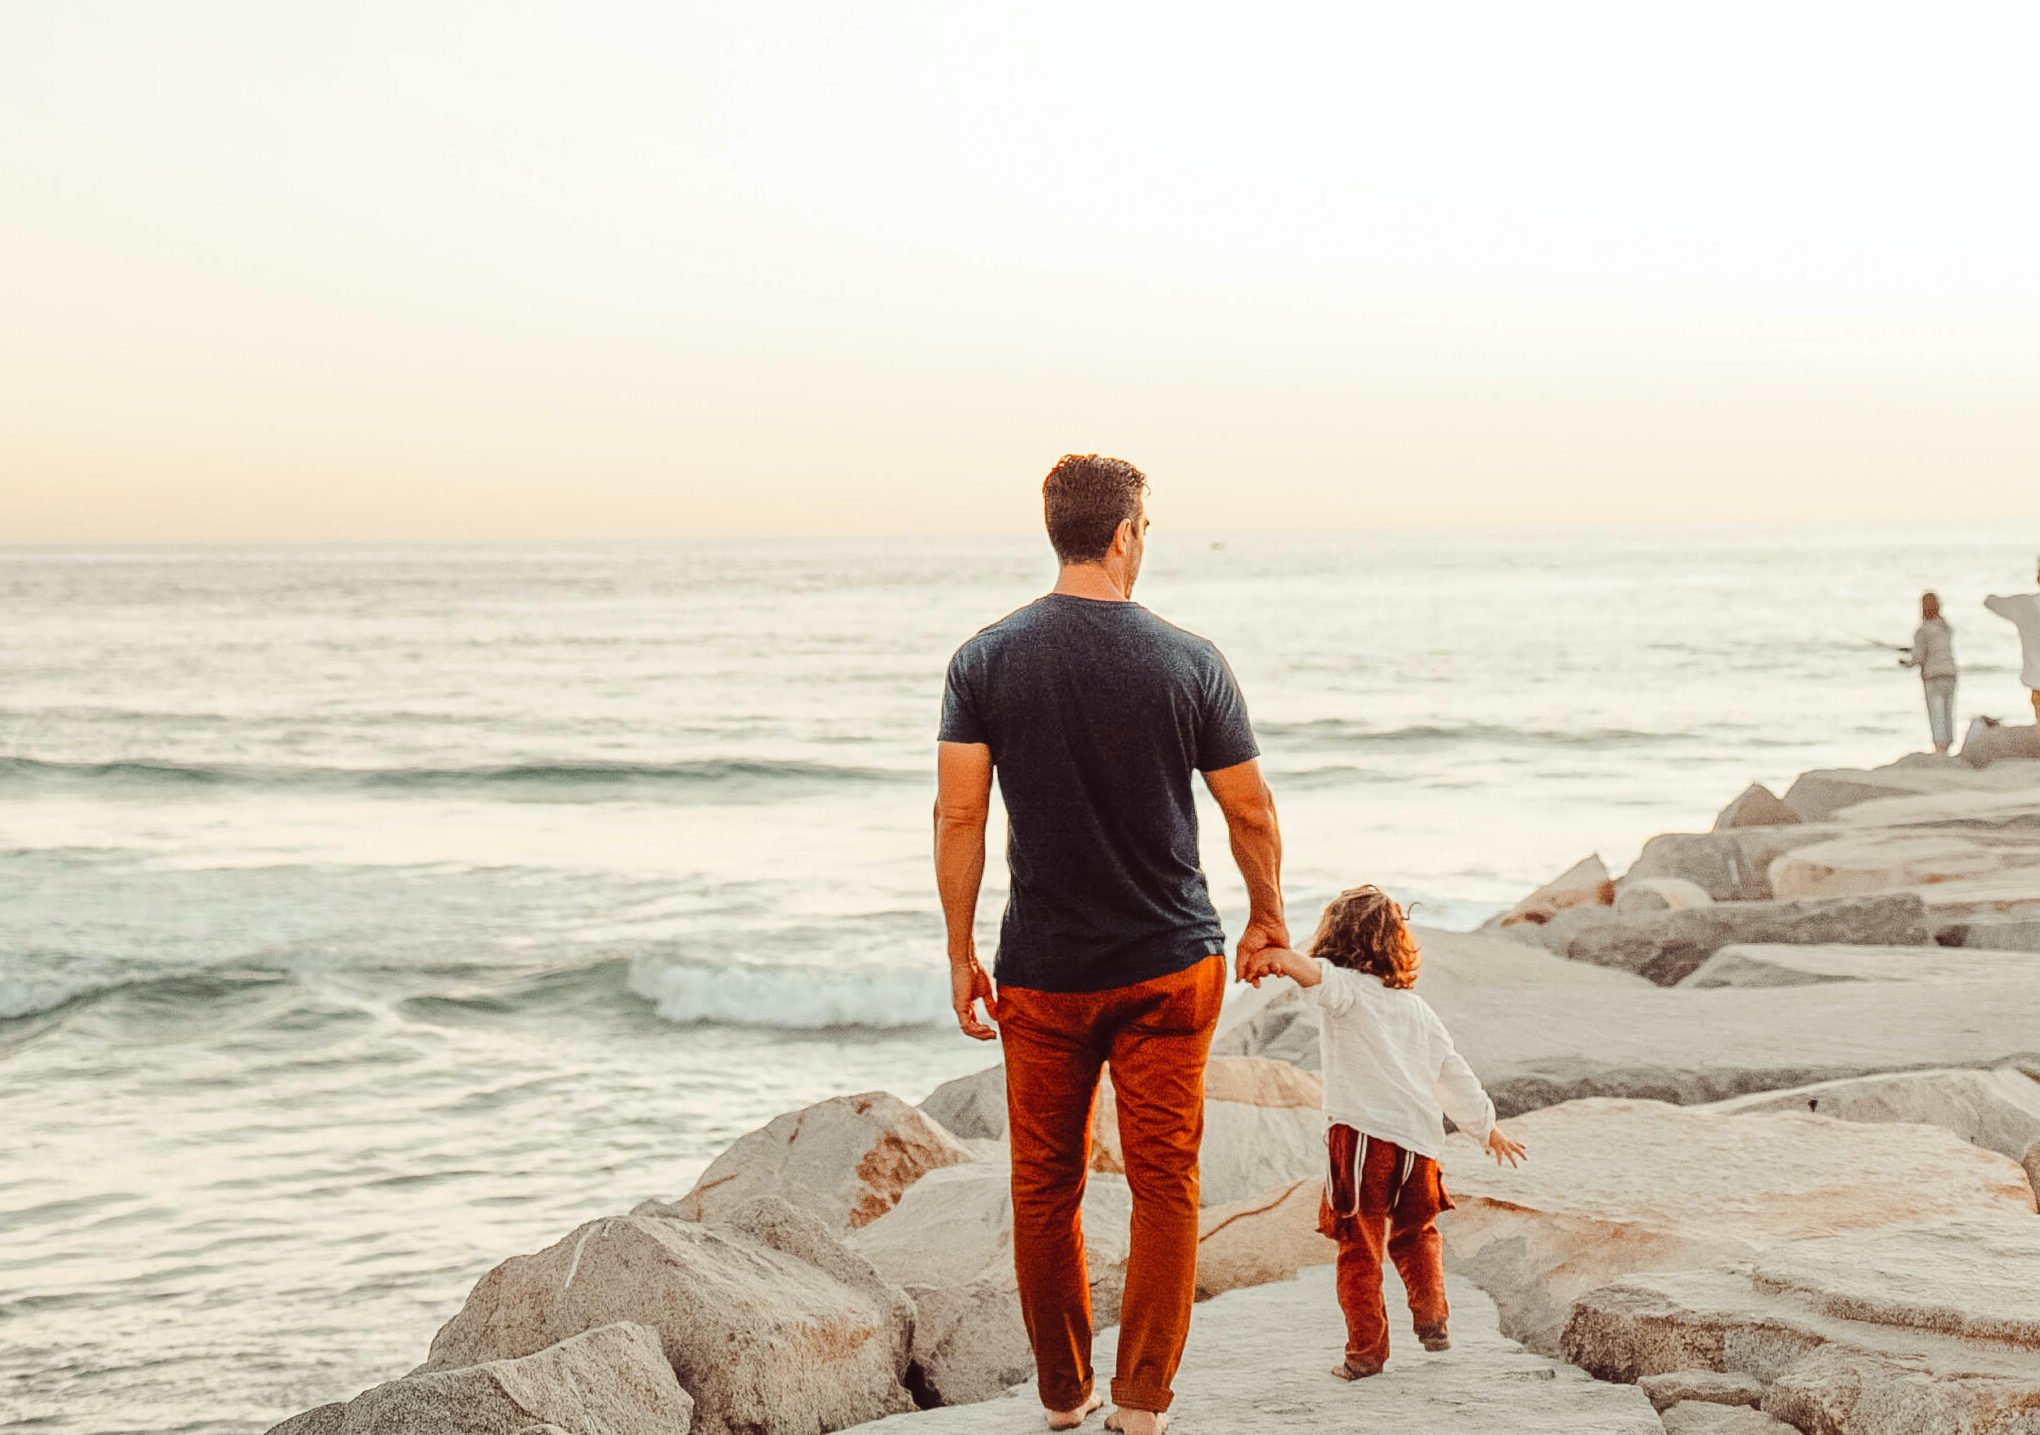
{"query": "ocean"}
(371, 913)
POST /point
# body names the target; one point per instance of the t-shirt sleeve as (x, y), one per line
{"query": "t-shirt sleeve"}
(962, 718)
(1225, 738)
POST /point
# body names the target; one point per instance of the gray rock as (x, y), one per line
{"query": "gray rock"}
(1285, 1029)
(844, 1161)
(1584, 884)
(1257, 1363)
(613, 1380)
(765, 1320)
(1756, 806)
(1997, 1110)
(2014, 931)
(1818, 795)
(1661, 894)
(1707, 1386)
(1694, 1417)
(2001, 742)
(973, 1107)
(1668, 947)
(1613, 1187)
(1917, 1327)
(1955, 872)
(1730, 866)
(1266, 1237)
(1762, 964)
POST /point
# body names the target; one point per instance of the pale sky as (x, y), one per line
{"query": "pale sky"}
(417, 270)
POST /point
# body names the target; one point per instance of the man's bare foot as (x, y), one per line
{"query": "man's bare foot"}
(1347, 1370)
(1072, 1419)
(1129, 1421)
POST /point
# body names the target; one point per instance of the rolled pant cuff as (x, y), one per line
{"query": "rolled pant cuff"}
(1062, 1399)
(1141, 1397)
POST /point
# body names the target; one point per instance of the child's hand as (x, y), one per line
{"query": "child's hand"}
(1503, 1148)
(1282, 962)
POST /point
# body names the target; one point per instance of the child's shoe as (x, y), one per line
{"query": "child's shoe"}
(1434, 1337)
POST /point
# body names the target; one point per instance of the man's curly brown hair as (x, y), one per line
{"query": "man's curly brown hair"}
(1363, 930)
(1085, 498)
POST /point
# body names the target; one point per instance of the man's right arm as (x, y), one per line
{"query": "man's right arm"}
(1249, 807)
(963, 800)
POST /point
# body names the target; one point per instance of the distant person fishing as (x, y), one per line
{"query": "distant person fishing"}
(2023, 611)
(1933, 653)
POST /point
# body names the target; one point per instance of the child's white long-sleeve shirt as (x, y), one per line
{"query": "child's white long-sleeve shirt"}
(1390, 1068)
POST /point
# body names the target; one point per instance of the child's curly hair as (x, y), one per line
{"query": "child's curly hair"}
(1364, 930)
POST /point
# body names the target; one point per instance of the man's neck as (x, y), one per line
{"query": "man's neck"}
(1091, 580)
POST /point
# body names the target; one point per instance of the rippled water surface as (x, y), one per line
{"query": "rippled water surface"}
(370, 914)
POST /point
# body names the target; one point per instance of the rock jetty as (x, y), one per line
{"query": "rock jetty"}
(1780, 1082)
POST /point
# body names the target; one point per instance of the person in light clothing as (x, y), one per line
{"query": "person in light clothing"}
(2023, 611)
(1391, 1076)
(1933, 653)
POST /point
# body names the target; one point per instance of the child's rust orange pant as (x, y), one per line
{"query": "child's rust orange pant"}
(1395, 1203)
(1156, 1035)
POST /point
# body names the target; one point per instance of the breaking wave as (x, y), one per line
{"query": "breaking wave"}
(790, 998)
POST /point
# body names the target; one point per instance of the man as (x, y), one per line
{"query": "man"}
(2023, 609)
(1094, 713)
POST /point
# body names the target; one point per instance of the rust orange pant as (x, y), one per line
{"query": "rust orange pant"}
(1395, 1204)
(1156, 1036)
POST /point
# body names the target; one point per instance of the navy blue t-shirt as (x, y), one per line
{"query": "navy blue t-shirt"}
(1097, 713)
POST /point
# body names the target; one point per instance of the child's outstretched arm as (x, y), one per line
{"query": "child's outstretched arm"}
(1282, 962)
(1466, 1101)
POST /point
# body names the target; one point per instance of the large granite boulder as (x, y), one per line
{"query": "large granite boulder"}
(1263, 1126)
(1700, 1417)
(1703, 1387)
(613, 1380)
(1901, 1329)
(1257, 1362)
(973, 1107)
(1950, 870)
(767, 1321)
(1731, 865)
(2001, 742)
(1584, 884)
(1283, 1028)
(1615, 1187)
(1266, 1237)
(1661, 894)
(1759, 964)
(1998, 1110)
(949, 1244)
(845, 1162)
(1756, 806)
(1826, 793)
(1667, 947)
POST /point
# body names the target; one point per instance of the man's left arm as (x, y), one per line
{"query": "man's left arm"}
(963, 804)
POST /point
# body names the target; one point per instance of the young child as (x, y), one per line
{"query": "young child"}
(1391, 1075)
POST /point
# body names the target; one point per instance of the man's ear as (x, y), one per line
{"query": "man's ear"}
(1122, 537)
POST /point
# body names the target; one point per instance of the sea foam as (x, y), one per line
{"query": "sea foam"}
(791, 998)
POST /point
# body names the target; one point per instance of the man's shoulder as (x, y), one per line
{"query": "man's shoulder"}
(1193, 647)
(995, 634)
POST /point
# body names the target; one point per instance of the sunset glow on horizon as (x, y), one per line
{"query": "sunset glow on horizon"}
(517, 271)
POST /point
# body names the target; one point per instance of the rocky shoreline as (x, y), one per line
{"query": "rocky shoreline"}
(1780, 1082)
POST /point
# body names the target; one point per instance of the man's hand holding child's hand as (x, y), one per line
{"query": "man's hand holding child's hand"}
(1504, 1148)
(1281, 962)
